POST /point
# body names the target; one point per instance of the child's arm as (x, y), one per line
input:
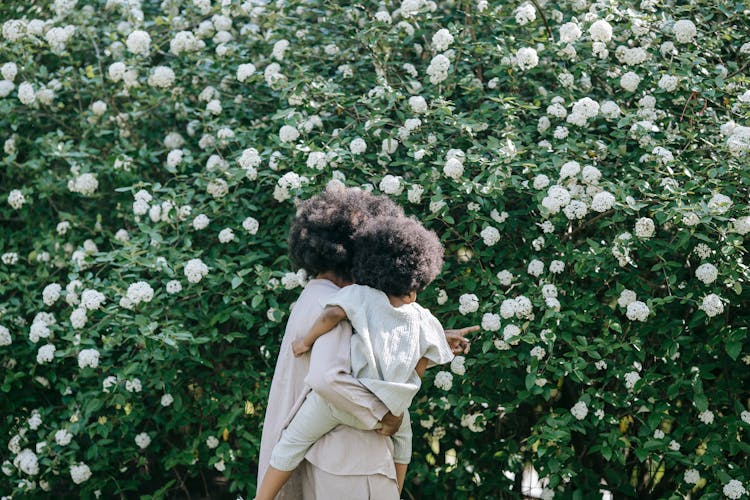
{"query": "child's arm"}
(421, 367)
(328, 319)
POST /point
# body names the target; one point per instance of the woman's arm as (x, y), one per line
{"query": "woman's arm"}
(330, 376)
(328, 319)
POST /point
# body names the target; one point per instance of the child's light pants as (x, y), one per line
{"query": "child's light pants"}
(313, 420)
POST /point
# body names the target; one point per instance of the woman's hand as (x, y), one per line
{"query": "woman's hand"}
(299, 347)
(460, 344)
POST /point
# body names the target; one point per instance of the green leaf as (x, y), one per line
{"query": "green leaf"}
(236, 281)
(530, 380)
(733, 349)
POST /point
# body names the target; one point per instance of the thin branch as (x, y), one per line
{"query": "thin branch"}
(544, 20)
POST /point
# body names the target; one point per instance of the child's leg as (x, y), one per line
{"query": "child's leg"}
(401, 475)
(312, 421)
(402, 449)
(272, 483)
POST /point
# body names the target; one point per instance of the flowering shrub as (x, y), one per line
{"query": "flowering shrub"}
(584, 163)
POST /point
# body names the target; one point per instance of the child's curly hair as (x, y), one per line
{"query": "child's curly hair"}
(396, 255)
(321, 234)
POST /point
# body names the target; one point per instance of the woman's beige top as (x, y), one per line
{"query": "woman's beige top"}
(344, 451)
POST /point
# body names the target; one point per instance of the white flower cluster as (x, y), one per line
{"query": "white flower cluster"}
(195, 270)
(473, 421)
(490, 235)
(644, 227)
(161, 77)
(525, 14)
(418, 104)
(45, 354)
(185, 41)
(92, 300)
(527, 58)
(712, 305)
(707, 273)
(391, 184)
(600, 31)
(454, 164)
(133, 385)
(538, 352)
(520, 307)
(441, 40)
(58, 37)
(287, 133)
(245, 71)
(251, 225)
(684, 31)
(458, 365)
(40, 327)
(5, 338)
(631, 56)
(358, 146)
(218, 188)
(27, 462)
(691, 476)
(637, 311)
(16, 199)
(286, 183)
(85, 184)
(734, 489)
(226, 235)
(142, 440)
(468, 303)
(707, 417)
(88, 358)
(719, 204)
(137, 292)
(63, 437)
(630, 81)
(138, 42)
(444, 380)
(438, 69)
(738, 138)
(631, 378)
(580, 410)
(557, 198)
(491, 322)
(80, 473)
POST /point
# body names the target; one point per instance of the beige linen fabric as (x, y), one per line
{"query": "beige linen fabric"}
(344, 451)
(327, 486)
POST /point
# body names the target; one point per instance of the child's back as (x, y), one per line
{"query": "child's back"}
(389, 342)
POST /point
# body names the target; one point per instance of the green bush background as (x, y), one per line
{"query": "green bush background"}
(212, 346)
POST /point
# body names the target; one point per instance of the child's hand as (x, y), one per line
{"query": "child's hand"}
(299, 347)
(391, 424)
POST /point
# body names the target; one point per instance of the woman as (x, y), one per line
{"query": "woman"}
(345, 463)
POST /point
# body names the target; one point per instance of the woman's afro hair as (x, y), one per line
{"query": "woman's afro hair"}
(396, 255)
(321, 233)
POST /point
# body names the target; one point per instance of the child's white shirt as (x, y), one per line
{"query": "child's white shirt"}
(388, 343)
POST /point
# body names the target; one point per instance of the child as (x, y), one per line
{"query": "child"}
(395, 339)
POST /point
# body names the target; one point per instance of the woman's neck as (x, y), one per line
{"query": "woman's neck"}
(333, 278)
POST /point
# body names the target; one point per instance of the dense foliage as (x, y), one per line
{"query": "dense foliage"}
(585, 163)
